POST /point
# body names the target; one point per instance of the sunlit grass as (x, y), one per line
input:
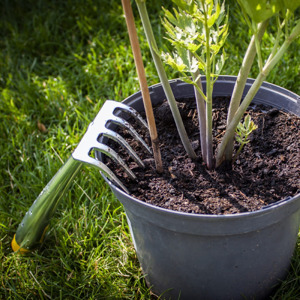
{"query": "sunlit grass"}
(59, 61)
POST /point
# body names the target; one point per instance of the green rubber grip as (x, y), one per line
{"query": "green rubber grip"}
(33, 227)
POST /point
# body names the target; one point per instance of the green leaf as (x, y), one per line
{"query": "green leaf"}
(169, 28)
(247, 122)
(244, 129)
(170, 16)
(220, 63)
(261, 10)
(212, 19)
(176, 63)
(193, 47)
(215, 48)
(222, 15)
(186, 5)
(183, 54)
(239, 139)
(292, 5)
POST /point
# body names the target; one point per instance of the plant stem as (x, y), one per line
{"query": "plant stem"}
(241, 82)
(143, 83)
(257, 40)
(163, 78)
(252, 92)
(209, 150)
(237, 153)
(230, 130)
(200, 102)
(209, 90)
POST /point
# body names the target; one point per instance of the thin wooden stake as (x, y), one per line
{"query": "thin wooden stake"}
(143, 82)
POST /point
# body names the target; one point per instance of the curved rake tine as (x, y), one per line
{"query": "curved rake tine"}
(114, 156)
(120, 140)
(106, 170)
(132, 131)
(133, 113)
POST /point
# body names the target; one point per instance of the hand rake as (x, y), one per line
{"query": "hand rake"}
(34, 224)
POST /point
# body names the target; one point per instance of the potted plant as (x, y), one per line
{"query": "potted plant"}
(216, 256)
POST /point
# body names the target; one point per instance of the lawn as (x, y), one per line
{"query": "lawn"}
(59, 62)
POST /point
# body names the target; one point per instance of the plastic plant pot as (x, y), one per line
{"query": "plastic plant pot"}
(194, 256)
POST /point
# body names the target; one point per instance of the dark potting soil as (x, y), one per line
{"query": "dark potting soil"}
(266, 171)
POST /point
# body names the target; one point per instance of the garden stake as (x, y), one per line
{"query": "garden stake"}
(143, 82)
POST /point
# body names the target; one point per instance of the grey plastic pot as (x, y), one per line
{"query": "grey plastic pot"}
(214, 257)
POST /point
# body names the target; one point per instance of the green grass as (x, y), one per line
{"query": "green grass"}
(59, 61)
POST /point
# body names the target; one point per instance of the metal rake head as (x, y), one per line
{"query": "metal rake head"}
(98, 128)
